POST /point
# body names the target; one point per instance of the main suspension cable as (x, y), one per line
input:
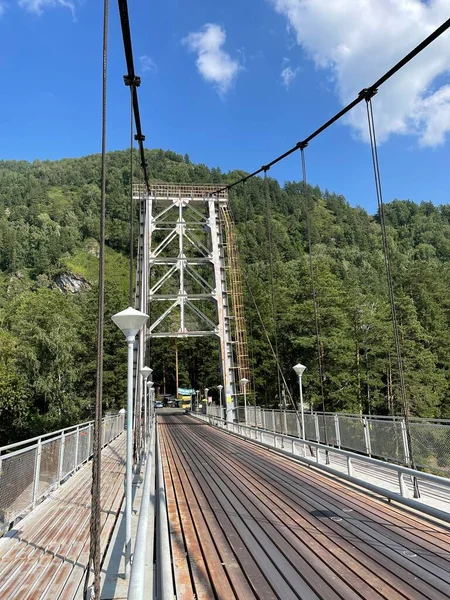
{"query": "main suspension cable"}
(94, 548)
(131, 282)
(361, 96)
(390, 282)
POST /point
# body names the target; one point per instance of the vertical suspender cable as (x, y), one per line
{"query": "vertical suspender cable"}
(390, 281)
(252, 341)
(95, 550)
(314, 294)
(131, 303)
(272, 286)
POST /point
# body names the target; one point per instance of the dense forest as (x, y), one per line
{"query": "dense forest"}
(49, 214)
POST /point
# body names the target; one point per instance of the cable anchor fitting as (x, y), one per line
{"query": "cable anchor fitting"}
(130, 80)
(368, 93)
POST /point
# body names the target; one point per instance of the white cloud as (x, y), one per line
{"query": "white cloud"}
(2, 9)
(356, 41)
(288, 74)
(213, 64)
(147, 64)
(38, 6)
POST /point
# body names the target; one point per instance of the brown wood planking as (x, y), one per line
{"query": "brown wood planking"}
(47, 555)
(285, 510)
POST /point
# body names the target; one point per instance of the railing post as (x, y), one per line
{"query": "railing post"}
(37, 472)
(263, 419)
(77, 443)
(61, 456)
(405, 442)
(337, 430)
(402, 486)
(349, 466)
(367, 436)
(316, 424)
(89, 440)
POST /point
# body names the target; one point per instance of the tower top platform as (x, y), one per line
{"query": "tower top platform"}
(168, 192)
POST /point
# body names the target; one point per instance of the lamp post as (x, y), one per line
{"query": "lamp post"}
(206, 394)
(244, 382)
(129, 321)
(300, 369)
(220, 388)
(145, 372)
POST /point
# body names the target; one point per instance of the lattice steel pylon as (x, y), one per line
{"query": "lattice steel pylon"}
(188, 265)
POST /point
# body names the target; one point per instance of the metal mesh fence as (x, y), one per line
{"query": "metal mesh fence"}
(431, 445)
(83, 445)
(352, 433)
(310, 427)
(292, 424)
(69, 458)
(386, 439)
(277, 422)
(49, 466)
(16, 484)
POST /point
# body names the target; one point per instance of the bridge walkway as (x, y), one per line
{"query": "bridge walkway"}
(45, 556)
(247, 523)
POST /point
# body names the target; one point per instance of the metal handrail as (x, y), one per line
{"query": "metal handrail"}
(136, 587)
(256, 436)
(164, 558)
(51, 433)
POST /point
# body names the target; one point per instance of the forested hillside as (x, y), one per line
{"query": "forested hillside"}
(48, 271)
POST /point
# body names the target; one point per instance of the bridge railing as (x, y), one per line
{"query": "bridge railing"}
(31, 469)
(379, 436)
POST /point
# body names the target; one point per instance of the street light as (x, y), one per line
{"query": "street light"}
(206, 394)
(300, 369)
(197, 394)
(220, 388)
(129, 321)
(244, 382)
(151, 393)
(145, 372)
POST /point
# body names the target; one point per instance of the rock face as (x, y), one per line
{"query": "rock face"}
(71, 284)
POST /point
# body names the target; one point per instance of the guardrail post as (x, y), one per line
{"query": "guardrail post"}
(77, 443)
(61, 457)
(37, 471)
(337, 430)
(405, 442)
(402, 486)
(316, 424)
(349, 466)
(367, 436)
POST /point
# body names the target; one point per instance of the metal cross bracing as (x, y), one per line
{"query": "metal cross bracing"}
(188, 277)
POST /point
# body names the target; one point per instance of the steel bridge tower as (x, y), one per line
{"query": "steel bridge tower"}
(188, 275)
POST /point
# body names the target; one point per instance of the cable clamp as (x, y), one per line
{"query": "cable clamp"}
(265, 168)
(302, 145)
(368, 93)
(139, 137)
(132, 81)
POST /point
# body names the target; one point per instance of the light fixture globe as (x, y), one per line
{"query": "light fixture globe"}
(244, 381)
(220, 387)
(129, 321)
(122, 411)
(145, 372)
(150, 383)
(299, 369)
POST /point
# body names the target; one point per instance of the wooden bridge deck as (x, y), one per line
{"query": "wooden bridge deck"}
(45, 556)
(249, 524)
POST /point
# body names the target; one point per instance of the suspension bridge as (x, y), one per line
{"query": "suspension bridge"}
(219, 502)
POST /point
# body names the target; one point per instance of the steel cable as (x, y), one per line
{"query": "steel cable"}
(94, 548)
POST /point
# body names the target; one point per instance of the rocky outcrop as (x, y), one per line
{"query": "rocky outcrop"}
(71, 284)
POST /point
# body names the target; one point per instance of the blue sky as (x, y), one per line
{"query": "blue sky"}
(235, 84)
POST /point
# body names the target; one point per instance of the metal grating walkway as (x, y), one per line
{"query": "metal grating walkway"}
(247, 524)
